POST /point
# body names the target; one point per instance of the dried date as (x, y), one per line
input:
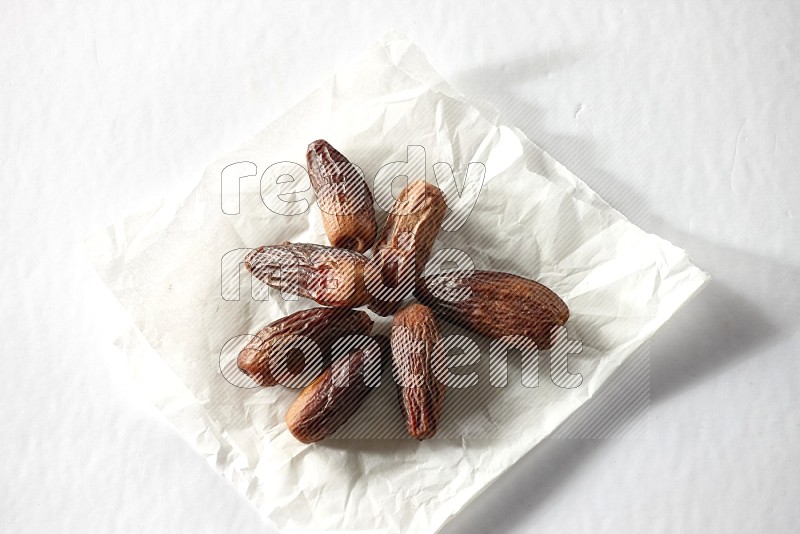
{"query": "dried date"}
(326, 275)
(495, 304)
(323, 326)
(416, 358)
(343, 196)
(404, 245)
(333, 397)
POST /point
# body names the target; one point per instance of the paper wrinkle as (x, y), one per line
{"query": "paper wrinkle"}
(532, 218)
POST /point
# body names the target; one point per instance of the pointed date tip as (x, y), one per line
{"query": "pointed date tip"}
(318, 145)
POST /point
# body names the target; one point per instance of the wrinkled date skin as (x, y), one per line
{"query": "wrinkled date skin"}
(321, 325)
(416, 346)
(333, 397)
(405, 244)
(495, 304)
(326, 275)
(343, 197)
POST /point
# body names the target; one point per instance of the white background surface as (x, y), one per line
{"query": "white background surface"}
(683, 116)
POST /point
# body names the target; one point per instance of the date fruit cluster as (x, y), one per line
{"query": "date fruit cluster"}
(364, 268)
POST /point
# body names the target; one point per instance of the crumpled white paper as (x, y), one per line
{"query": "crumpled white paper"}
(532, 217)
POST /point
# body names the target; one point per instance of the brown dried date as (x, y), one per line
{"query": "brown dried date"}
(495, 304)
(343, 196)
(326, 275)
(416, 356)
(323, 326)
(333, 397)
(410, 230)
